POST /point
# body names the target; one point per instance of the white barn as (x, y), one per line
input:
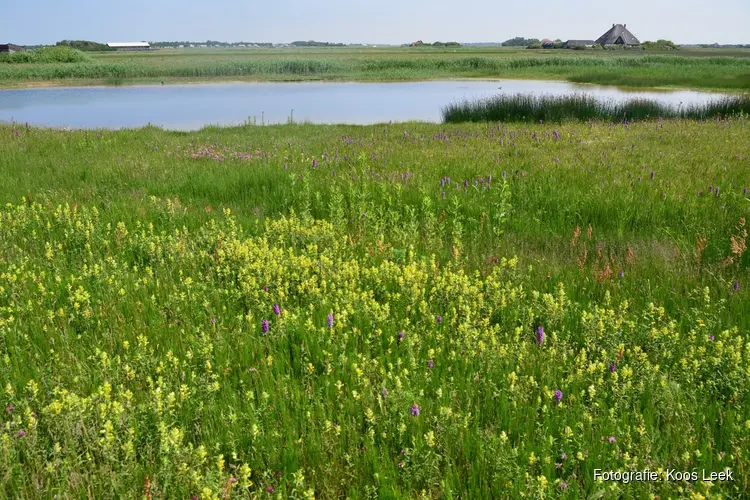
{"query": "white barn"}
(129, 46)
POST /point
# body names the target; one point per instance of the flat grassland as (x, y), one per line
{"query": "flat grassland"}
(474, 311)
(692, 68)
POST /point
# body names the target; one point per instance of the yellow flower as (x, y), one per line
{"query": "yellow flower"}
(430, 439)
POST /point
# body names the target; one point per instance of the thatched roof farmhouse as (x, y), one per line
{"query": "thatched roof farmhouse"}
(618, 35)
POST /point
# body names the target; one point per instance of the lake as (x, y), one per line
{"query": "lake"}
(190, 107)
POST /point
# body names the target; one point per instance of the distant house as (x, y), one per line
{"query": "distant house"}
(129, 46)
(417, 43)
(572, 44)
(547, 43)
(618, 35)
(9, 47)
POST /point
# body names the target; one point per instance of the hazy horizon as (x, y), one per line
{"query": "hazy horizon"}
(43, 22)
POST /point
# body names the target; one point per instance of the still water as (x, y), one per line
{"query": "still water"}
(190, 107)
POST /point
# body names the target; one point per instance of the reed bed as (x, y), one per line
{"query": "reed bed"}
(134, 70)
(555, 108)
(626, 69)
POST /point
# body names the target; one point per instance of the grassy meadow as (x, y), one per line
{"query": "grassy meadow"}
(392, 311)
(694, 68)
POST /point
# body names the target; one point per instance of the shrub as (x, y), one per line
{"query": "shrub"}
(520, 42)
(660, 45)
(58, 54)
(61, 54)
(446, 44)
(85, 45)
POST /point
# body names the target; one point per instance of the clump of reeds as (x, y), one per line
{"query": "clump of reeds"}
(529, 107)
(124, 70)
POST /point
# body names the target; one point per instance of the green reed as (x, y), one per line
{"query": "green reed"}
(529, 107)
(728, 72)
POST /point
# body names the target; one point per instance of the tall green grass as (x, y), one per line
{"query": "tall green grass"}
(690, 77)
(529, 107)
(578, 62)
(134, 70)
(622, 69)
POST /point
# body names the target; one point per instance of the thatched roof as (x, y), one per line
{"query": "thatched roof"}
(618, 35)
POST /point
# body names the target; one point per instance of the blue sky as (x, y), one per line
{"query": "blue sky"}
(30, 22)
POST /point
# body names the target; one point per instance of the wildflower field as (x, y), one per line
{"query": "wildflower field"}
(395, 311)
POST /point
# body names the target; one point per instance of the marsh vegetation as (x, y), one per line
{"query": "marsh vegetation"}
(692, 69)
(406, 310)
(536, 108)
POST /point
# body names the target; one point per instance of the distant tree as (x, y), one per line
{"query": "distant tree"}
(660, 45)
(212, 43)
(83, 45)
(313, 43)
(520, 42)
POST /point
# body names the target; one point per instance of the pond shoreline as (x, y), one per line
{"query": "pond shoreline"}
(177, 81)
(194, 106)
